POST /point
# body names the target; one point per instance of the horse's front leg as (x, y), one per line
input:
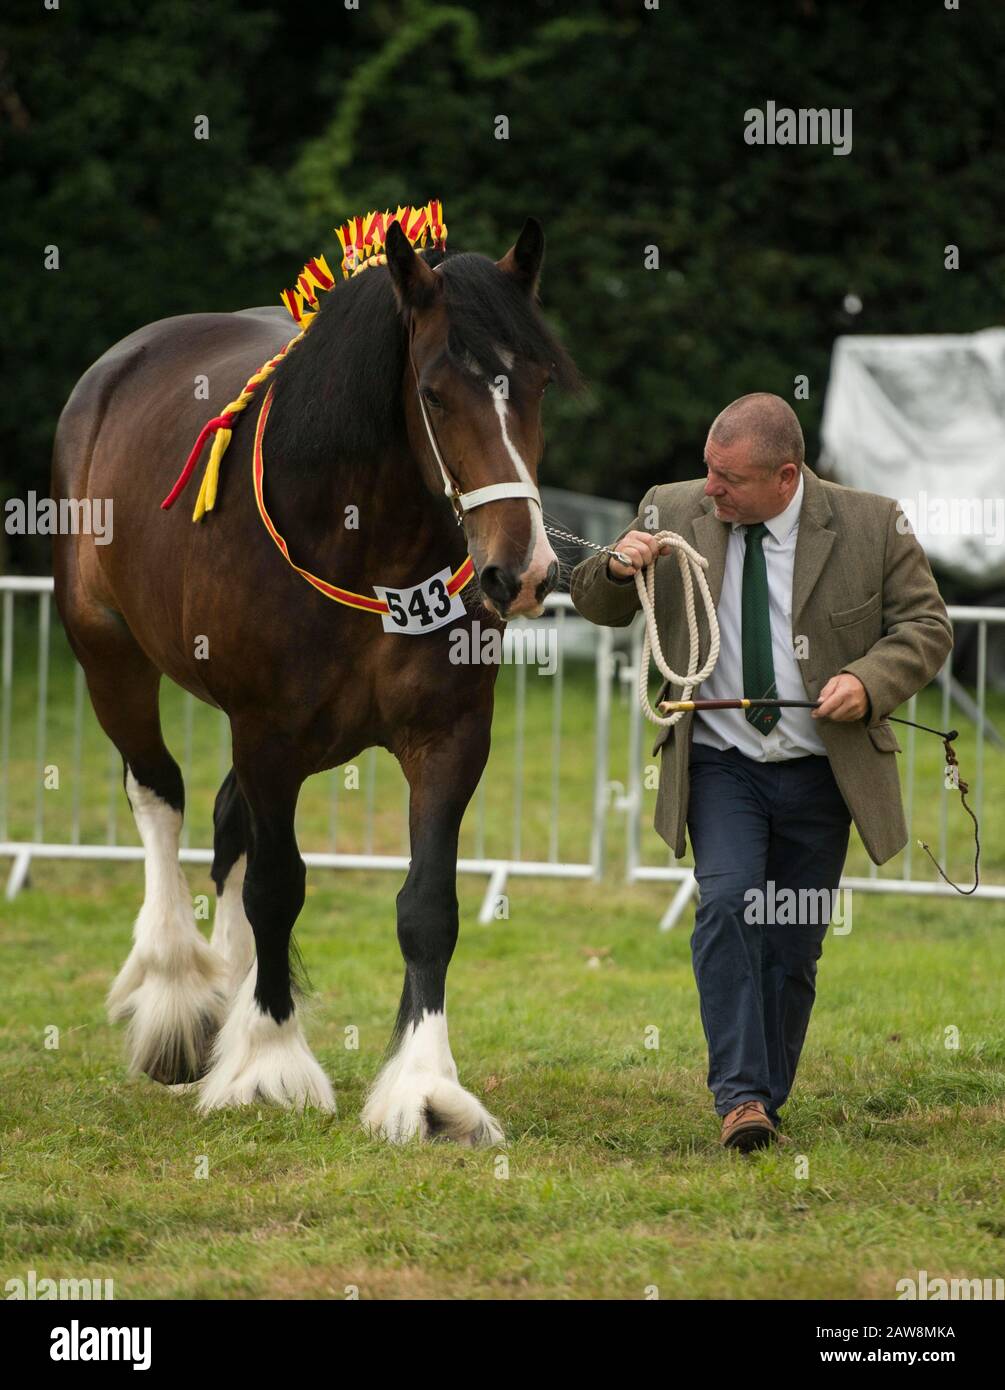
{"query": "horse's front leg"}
(417, 1092)
(261, 1052)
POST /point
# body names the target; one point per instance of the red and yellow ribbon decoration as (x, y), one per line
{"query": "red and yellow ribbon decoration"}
(221, 424)
(362, 241)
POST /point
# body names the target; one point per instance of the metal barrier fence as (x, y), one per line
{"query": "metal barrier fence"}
(674, 872)
(79, 839)
(549, 762)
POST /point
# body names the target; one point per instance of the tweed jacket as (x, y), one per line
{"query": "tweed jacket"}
(863, 600)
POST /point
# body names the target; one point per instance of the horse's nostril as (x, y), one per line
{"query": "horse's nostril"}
(499, 584)
(547, 583)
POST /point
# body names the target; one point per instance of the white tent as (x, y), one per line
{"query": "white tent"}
(922, 419)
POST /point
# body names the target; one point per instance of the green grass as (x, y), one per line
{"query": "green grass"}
(613, 1181)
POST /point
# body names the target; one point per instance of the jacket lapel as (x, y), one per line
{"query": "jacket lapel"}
(813, 543)
(710, 538)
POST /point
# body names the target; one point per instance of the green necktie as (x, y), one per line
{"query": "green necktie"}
(755, 628)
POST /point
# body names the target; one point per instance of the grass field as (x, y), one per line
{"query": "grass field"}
(612, 1183)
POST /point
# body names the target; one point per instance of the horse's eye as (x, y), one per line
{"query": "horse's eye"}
(431, 398)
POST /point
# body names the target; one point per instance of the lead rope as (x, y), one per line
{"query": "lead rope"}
(692, 563)
(692, 566)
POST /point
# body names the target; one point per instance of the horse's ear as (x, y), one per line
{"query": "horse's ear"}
(415, 284)
(523, 259)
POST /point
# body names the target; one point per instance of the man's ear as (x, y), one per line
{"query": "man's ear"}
(523, 259)
(416, 285)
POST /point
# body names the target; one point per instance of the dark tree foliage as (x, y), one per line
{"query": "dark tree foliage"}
(626, 132)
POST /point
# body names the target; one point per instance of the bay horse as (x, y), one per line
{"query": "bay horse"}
(436, 360)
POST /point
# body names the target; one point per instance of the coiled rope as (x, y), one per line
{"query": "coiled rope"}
(692, 566)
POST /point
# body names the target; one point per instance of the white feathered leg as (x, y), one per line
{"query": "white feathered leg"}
(417, 1093)
(256, 1058)
(233, 939)
(172, 988)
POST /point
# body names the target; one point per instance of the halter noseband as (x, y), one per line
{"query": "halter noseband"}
(464, 501)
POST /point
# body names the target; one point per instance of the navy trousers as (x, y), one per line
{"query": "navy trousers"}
(771, 827)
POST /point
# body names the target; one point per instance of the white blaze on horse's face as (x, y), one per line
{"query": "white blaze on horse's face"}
(539, 569)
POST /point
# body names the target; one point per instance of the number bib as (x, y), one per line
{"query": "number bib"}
(422, 608)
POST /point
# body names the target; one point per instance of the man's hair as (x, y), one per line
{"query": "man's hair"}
(769, 423)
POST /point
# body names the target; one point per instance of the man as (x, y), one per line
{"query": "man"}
(822, 592)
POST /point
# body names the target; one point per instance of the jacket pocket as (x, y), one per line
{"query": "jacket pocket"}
(848, 616)
(884, 738)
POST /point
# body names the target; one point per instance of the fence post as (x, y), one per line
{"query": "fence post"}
(605, 666)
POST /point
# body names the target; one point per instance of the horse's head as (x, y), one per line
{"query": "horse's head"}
(480, 359)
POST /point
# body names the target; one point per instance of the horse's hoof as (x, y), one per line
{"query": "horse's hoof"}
(257, 1059)
(174, 1008)
(430, 1108)
(181, 1069)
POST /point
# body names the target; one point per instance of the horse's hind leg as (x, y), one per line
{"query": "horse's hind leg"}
(417, 1093)
(232, 937)
(171, 988)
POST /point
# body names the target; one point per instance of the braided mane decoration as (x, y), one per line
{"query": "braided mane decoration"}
(363, 239)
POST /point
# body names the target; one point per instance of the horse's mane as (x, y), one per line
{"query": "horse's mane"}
(338, 392)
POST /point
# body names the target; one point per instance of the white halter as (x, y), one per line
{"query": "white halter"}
(466, 501)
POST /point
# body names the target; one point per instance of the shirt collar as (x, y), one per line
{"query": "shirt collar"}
(781, 525)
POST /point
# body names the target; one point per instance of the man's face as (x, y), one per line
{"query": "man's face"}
(743, 491)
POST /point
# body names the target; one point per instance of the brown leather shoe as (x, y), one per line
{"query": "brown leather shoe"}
(747, 1127)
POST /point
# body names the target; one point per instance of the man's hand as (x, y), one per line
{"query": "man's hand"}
(842, 698)
(640, 548)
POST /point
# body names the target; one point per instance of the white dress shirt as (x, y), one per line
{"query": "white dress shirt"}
(795, 734)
